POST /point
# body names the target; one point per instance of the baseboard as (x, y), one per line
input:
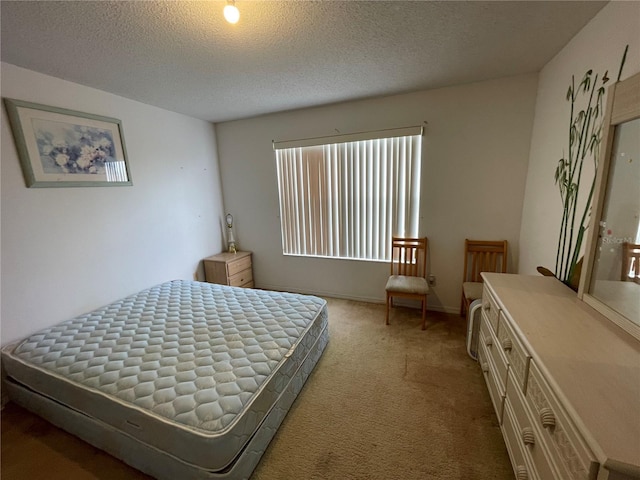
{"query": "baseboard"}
(322, 293)
(358, 298)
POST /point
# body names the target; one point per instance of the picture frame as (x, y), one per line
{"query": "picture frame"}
(58, 147)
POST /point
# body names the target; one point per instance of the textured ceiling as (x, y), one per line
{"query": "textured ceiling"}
(282, 55)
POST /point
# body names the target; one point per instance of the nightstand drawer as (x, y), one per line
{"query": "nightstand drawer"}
(237, 266)
(241, 279)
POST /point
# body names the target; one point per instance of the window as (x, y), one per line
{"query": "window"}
(348, 196)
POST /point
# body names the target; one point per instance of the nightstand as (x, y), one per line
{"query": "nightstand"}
(234, 269)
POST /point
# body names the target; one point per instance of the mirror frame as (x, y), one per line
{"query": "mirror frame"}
(623, 105)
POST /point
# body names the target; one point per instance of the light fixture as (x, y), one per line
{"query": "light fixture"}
(232, 247)
(231, 12)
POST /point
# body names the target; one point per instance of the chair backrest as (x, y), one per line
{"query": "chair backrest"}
(409, 256)
(630, 262)
(483, 256)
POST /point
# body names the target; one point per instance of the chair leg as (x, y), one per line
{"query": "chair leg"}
(463, 302)
(388, 303)
(424, 313)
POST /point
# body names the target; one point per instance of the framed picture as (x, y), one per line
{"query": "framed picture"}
(65, 148)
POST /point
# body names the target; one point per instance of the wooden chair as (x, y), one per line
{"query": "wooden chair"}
(408, 273)
(480, 256)
(630, 262)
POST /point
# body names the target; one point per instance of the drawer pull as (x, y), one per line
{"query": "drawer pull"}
(488, 342)
(485, 367)
(507, 345)
(486, 307)
(528, 436)
(521, 473)
(547, 418)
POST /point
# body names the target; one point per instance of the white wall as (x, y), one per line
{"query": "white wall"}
(68, 250)
(65, 251)
(598, 46)
(475, 154)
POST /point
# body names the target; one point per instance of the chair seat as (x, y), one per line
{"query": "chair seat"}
(404, 284)
(472, 290)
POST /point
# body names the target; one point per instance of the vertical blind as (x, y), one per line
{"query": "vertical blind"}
(348, 199)
(116, 171)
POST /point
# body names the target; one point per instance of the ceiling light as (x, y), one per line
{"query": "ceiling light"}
(231, 12)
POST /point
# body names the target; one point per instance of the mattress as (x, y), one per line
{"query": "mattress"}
(187, 369)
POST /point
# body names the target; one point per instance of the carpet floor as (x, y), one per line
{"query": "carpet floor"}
(384, 402)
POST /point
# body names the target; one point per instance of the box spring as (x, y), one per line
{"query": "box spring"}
(185, 377)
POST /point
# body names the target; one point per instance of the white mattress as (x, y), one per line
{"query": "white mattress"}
(190, 369)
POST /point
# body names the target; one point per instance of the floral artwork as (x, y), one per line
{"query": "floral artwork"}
(69, 148)
(66, 148)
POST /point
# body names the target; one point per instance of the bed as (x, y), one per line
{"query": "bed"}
(182, 380)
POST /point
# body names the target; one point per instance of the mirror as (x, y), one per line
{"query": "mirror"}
(613, 277)
(611, 282)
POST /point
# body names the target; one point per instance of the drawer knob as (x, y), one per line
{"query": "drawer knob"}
(485, 367)
(547, 418)
(521, 473)
(486, 307)
(528, 436)
(488, 342)
(507, 345)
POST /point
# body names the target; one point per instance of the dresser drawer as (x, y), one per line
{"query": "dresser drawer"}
(496, 392)
(521, 467)
(241, 279)
(494, 354)
(237, 266)
(490, 308)
(530, 438)
(517, 357)
(566, 448)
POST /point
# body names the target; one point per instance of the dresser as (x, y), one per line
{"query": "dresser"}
(564, 381)
(233, 269)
